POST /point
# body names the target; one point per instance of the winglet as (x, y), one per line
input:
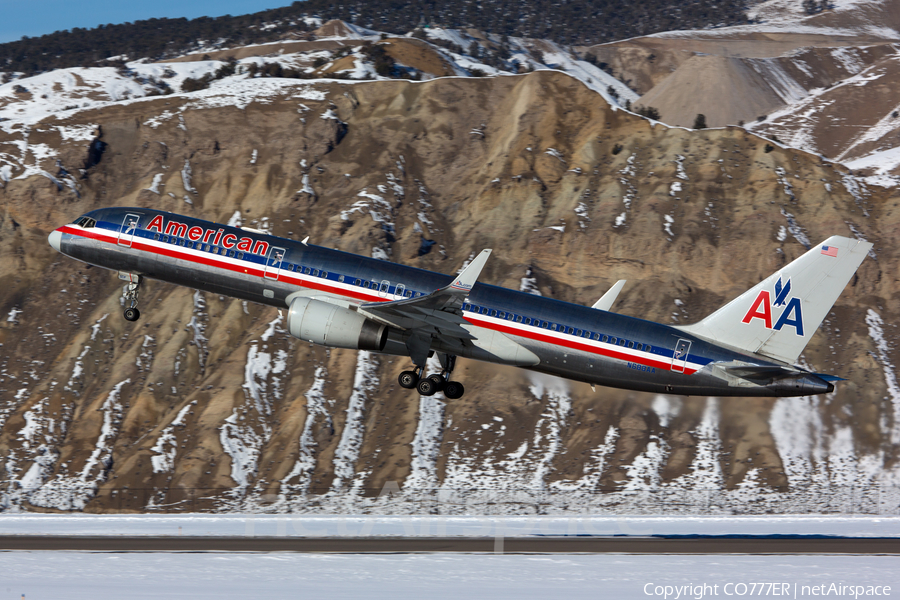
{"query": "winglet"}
(465, 280)
(606, 302)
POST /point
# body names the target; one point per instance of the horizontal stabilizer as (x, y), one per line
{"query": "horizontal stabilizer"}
(606, 302)
(829, 378)
(760, 371)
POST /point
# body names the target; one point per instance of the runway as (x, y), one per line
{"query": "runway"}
(686, 545)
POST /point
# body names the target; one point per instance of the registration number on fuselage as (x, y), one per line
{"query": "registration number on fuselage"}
(639, 367)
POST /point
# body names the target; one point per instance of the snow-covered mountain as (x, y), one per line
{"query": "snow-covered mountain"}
(421, 151)
(823, 83)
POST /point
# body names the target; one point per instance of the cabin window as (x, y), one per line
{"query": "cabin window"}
(596, 337)
(648, 348)
(545, 324)
(631, 344)
(493, 313)
(518, 318)
(324, 275)
(340, 279)
(366, 284)
(408, 293)
(527, 321)
(240, 255)
(570, 330)
(385, 286)
(578, 332)
(553, 327)
(612, 340)
(621, 342)
(155, 236)
(314, 272)
(509, 316)
(357, 282)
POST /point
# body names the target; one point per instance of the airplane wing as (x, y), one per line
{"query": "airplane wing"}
(438, 314)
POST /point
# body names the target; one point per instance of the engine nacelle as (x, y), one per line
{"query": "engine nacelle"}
(330, 325)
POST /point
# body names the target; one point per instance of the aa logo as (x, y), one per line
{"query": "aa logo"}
(791, 313)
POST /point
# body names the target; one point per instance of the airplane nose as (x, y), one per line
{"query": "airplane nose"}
(55, 238)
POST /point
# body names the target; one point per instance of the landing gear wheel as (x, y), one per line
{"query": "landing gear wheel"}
(131, 292)
(454, 390)
(426, 387)
(438, 380)
(408, 379)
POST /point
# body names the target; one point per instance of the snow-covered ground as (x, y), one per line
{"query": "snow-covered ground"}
(92, 575)
(438, 525)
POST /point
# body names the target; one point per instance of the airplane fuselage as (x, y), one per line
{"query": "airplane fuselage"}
(560, 338)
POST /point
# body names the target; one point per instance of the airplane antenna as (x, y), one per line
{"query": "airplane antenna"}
(306, 239)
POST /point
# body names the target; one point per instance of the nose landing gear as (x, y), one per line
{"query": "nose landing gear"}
(436, 382)
(132, 290)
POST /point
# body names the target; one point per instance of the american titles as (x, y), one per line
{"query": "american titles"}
(208, 236)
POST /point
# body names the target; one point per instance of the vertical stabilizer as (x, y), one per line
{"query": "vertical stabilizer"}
(778, 317)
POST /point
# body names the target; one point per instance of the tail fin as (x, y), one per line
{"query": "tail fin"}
(778, 317)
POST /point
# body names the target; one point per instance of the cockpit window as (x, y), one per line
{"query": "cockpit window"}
(85, 222)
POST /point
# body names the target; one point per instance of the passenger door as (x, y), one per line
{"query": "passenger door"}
(273, 262)
(129, 226)
(679, 358)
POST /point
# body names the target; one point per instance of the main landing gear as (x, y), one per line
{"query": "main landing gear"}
(436, 382)
(131, 297)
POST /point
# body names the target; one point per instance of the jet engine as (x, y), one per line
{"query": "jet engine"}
(331, 325)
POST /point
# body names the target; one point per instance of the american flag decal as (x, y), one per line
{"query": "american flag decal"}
(829, 251)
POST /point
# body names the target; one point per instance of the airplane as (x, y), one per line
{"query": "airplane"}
(748, 347)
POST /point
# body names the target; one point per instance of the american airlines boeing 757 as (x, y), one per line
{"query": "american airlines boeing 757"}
(746, 348)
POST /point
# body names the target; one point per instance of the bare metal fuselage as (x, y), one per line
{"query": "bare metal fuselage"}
(559, 338)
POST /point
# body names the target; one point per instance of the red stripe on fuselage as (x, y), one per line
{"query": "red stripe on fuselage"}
(139, 244)
(556, 341)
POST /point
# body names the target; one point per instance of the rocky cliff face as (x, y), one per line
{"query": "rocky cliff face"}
(207, 403)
